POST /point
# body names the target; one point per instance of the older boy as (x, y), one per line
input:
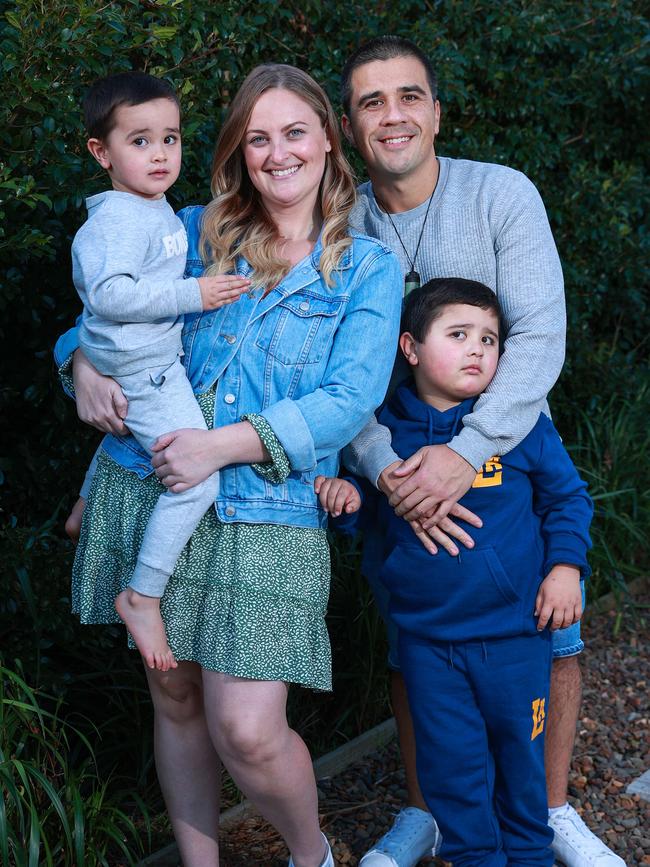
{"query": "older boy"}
(472, 644)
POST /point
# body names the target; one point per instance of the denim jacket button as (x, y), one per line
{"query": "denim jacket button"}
(230, 398)
(230, 511)
(304, 305)
(229, 338)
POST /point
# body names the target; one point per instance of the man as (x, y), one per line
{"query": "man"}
(457, 218)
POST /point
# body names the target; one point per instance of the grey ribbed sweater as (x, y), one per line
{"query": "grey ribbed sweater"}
(486, 223)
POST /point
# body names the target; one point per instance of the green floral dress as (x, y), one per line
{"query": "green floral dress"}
(248, 600)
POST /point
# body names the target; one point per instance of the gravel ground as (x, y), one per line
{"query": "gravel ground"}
(612, 749)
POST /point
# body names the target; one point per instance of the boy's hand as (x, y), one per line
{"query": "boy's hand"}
(222, 289)
(559, 600)
(337, 495)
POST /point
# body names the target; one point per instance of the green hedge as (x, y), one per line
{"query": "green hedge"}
(556, 89)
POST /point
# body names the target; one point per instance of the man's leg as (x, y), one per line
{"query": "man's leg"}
(406, 738)
(574, 844)
(564, 710)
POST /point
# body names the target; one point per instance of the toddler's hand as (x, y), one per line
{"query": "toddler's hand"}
(337, 495)
(559, 600)
(221, 289)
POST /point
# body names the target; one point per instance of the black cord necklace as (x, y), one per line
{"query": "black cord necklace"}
(412, 279)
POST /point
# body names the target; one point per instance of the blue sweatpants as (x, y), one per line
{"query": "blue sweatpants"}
(479, 712)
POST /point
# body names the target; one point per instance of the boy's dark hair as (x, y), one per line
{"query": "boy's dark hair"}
(125, 88)
(424, 305)
(384, 48)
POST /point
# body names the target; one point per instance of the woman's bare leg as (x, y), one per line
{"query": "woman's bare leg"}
(188, 767)
(267, 760)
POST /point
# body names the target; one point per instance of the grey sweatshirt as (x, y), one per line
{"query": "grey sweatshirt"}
(128, 261)
(486, 223)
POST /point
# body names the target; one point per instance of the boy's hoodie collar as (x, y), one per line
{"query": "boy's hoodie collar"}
(406, 405)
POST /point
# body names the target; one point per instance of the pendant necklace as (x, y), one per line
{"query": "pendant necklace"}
(412, 279)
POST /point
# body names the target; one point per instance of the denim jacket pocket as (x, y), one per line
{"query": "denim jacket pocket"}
(299, 329)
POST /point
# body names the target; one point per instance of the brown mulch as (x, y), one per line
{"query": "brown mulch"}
(612, 749)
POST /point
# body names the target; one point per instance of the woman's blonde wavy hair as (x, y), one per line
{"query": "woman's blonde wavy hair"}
(236, 221)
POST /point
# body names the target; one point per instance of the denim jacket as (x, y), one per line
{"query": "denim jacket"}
(313, 359)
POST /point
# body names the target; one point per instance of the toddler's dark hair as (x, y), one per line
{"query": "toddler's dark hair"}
(125, 88)
(424, 305)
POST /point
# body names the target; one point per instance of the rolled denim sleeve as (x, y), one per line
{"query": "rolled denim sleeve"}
(354, 382)
(277, 469)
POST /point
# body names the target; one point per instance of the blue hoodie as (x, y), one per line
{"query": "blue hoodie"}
(535, 511)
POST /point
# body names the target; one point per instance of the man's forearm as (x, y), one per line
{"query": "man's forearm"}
(370, 452)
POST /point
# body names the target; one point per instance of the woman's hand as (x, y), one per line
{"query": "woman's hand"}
(100, 401)
(183, 458)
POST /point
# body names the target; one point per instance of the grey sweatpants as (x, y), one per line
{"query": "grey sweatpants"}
(161, 400)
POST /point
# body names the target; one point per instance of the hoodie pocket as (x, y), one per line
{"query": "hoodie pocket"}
(451, 598)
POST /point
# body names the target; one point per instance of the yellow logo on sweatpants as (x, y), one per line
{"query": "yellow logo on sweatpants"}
(490, 474)
(539, 715)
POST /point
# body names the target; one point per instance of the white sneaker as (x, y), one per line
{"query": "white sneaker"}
(412, 835)
(576, 846)
(329, 858)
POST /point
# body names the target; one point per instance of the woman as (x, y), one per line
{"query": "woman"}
(288, 374)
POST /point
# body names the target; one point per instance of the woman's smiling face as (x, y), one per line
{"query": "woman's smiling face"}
(285, 148)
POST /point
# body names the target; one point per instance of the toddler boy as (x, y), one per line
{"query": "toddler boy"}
(473, 645)
(128, 263)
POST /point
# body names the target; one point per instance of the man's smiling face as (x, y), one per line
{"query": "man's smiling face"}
(393, 118)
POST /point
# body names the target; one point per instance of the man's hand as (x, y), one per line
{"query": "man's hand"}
(222, 289)
(559, 600)
(446, 530)
(337, 495)
(100, 400)
(437, 479)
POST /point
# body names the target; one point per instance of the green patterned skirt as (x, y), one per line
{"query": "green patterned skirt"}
(247, 600)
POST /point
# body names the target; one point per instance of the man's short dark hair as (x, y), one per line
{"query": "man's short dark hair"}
(384, 48)
(425, 304)
(125, 88)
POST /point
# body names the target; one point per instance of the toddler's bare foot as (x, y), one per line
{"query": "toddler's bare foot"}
(141, 615)
(73, 521)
